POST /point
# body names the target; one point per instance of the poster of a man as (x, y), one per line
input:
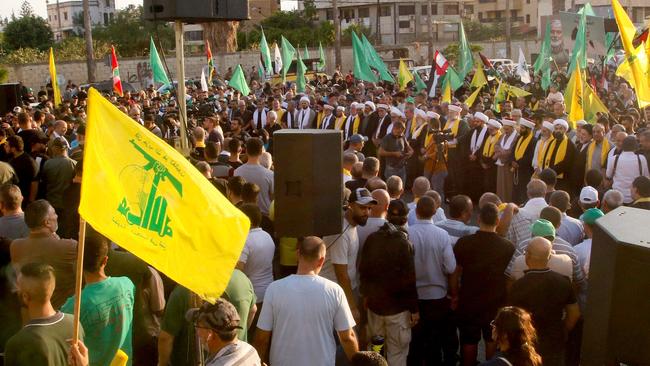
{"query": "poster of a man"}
(559, 52)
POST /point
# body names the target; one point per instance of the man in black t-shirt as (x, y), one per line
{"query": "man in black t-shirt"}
(481, 260)
(547, 295)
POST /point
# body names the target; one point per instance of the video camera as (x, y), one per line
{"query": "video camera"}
(442, 136)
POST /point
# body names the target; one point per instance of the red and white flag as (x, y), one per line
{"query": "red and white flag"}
(117, 82)
(440, 64)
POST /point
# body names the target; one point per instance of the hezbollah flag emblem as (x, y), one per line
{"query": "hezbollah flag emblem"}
(147, 198)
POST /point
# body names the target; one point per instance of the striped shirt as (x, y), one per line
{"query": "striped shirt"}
(238, 353)
(560, 246)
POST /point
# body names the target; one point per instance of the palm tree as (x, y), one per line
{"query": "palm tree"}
(221, 35)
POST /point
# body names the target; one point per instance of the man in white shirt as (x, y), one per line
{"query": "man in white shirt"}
(570, 229)
(434, 262)
(342, 249)
(301, 313)
(377, 217)
(536, 191)
(256, 259)
(253, 172)
(625, 167)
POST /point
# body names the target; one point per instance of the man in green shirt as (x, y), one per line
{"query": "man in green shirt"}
(43, 340)
(176, 342)
(106, 305)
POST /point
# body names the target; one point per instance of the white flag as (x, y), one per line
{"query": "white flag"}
(277, 58)
(204, 82)
(522, 68)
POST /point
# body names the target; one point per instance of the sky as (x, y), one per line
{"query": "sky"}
(7, 6)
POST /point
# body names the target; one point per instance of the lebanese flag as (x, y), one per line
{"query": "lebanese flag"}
(440, 64)
(117, 83)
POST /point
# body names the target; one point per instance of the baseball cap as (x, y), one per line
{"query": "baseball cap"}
(59, 143)
(362, 196)
(220, 317)
(590, 216)
(543, 228)
(588, 194)
(358, 138)
(41, 137)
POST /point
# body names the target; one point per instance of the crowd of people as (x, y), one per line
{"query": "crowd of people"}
(462, 226)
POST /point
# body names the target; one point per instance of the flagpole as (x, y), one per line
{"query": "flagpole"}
(79, 279)
(180, 67)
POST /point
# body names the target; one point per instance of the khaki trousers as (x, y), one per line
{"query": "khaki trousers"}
(396, 330)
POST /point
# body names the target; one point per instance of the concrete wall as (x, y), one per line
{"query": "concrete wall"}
(138, 70)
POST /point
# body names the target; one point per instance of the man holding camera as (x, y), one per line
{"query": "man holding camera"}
(396, 150)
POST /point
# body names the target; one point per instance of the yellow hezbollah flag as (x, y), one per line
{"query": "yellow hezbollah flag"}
(446, 91)
(143, 195)
(628, 30)
(404, 75)
(55, 84)
(593, 105)
(576, 113)
(479, 79)
(472, 98)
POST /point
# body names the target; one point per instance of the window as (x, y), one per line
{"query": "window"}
(451, 9)
(105, 18)
(469, 9)
(112, 14)
(346, 14)
(480, 16)
(527, 18)
(425, 10)
(364, 12)
(404, 24)
(65, 15)
(385, 11)
(407, 10)
(193, 35)
(527, 1)
(49, 17)
(108, 3)
(329, 14)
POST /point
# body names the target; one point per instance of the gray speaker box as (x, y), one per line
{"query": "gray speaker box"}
(195, 11)
(617, 315)
(308, 182)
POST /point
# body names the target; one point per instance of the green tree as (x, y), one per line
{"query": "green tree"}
(346, 35)
(28, 31)
(451, 52)
(129, 33)
(3, 74)
(294, 26)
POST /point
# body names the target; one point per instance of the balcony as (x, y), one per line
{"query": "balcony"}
(513, 20)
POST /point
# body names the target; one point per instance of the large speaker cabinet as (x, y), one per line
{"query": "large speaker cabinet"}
(308, 182)
(195, 11)
(617, 315)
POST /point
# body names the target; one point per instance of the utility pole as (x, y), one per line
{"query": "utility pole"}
(90, 61)
(508, 26)
(429, 11)
(378, 32)
(337, 33)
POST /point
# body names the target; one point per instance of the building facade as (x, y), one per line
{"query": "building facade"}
(637, 10)
(66, 17)
(401, 21)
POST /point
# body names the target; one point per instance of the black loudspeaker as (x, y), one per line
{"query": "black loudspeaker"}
(617, 315)
(195, 11)
(308, 182)
(9, 97)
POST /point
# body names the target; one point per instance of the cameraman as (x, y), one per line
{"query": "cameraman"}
(396, 150)
(434, 153)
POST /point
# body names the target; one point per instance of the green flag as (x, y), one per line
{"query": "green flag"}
(419, 83)
(452, 77)
(579, 54)
(465, 58)
(301, 81)
(157, 69)
(288, 51)
(238, 81)
(609, 40)
(306, 53)
(321, 57)
(362, 70)
(375, 61)
(543, 62)
(266, 54)
(587, 10)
